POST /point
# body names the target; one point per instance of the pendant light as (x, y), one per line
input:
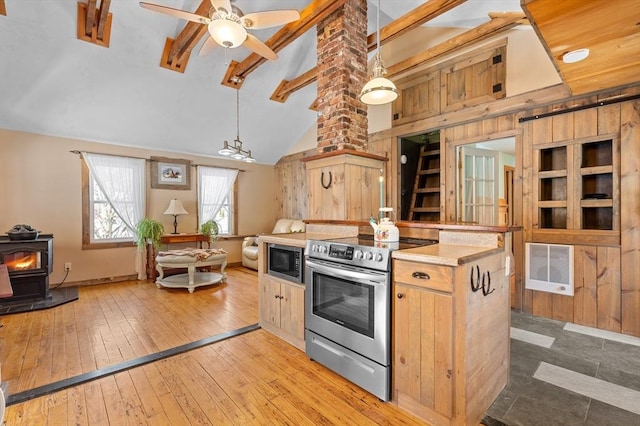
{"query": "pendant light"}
(235, 150)
(379, 90)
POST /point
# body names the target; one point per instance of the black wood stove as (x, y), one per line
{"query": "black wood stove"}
(28, 263)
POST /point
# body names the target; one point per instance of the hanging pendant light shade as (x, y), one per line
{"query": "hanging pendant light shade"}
(379, 90)
(235, 150)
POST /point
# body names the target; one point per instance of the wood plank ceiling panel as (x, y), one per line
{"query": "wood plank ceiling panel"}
(608, 29)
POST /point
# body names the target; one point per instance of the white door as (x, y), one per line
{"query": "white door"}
(478, 186)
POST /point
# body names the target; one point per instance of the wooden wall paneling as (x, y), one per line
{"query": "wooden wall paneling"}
(609, 288)
(562, 307)
(586, 123)
(528, 212)
(388, 148)
(630, 216)
(292, 179)
(542, 304)
(609, 119)
(574, 187)
(541, 131)
(449, 176)
(585, 272)
(334, 199)
(444, 163)
(562, 127)
(518, 218)
(362, 183)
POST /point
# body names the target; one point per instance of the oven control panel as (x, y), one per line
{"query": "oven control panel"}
(367, 257)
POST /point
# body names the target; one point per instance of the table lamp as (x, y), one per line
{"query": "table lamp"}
(175, 208)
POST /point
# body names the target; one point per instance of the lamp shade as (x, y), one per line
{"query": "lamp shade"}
(175, 208)
(378, 91)
(227, 33)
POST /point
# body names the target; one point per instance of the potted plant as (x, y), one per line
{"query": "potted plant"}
(149, 231)
(211, 229)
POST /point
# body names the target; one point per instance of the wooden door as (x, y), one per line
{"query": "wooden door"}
(423, 342)
(478, 182)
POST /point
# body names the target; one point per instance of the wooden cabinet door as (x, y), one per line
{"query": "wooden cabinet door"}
(292, 310)
(423, 345)
(270, 300)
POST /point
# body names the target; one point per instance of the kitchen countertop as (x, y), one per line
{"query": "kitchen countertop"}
(437, 254)
(445, 254)
(296, 239)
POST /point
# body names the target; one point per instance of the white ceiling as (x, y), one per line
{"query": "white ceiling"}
(54, 84)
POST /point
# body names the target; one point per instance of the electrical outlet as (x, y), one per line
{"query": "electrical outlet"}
(67, 266)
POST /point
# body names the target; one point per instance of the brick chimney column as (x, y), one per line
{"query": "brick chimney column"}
(342, 71)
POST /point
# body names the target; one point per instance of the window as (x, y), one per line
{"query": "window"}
(216, 197)
(113, 199)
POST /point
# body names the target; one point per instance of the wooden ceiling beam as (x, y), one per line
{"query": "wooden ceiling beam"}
(190, 35)
(90, 17)
(3, 8)
(93, 23)
(413, 19)
(474, 35)
(103, 14)
(309, 17)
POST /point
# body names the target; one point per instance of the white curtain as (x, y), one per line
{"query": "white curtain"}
(214, 185)
(122, 180)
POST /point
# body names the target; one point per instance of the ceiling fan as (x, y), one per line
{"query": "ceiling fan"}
(228, 25)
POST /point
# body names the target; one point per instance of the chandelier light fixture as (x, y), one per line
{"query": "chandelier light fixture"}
(379, 90)
(235, 150)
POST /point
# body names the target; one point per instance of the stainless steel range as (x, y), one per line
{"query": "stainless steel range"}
(348, 308)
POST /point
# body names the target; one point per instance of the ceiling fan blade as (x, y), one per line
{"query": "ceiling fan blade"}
(222, 4)
(208, 45)
(182, 14)
(269, 18)
(253, 43)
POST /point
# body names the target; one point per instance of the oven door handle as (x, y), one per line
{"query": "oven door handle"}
(346, 272)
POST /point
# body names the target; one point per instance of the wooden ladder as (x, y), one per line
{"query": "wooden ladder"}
(425, 199)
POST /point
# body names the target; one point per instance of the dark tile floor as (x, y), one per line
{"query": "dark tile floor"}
(529, 400)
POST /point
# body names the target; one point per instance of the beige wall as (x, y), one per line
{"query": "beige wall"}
(40, 185)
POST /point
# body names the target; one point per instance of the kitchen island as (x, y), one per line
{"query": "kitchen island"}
(450, 326)
(451, 322)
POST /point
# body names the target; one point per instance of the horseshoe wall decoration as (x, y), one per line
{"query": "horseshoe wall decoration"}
(327, 186)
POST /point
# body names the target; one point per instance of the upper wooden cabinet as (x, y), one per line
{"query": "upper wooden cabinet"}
(577, 185)
(453, 85)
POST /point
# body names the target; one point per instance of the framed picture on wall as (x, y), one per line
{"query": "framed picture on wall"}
(170, 173)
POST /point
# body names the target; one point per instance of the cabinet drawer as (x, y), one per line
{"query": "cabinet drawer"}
(423, 275)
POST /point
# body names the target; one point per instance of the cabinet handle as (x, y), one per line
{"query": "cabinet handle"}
(400, 295)
(421, 275)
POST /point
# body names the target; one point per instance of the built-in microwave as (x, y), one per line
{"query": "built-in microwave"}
(285, 262)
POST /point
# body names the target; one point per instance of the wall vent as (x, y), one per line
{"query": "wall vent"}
(549, 267)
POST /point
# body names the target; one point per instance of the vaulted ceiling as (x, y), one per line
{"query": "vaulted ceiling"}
(114, 72)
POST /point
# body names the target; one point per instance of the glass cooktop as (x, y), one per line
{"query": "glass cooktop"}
(368, 241)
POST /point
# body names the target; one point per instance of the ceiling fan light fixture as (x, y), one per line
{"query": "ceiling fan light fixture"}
(575, 56)
(227, 32)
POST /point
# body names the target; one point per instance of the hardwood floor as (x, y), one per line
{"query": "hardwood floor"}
(254, 378)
